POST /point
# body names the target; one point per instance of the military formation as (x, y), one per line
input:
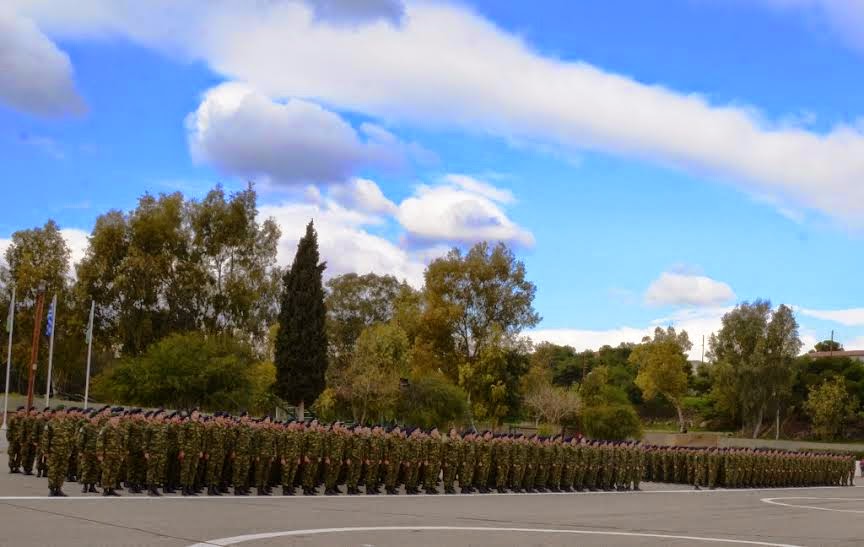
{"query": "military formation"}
(167, 452)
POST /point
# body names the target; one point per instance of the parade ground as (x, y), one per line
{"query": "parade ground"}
(659, 515)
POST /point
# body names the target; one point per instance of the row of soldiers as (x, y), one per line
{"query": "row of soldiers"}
(175, 451)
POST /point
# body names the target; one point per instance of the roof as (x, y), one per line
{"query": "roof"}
(844, 353)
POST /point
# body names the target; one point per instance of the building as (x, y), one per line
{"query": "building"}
(857, 354)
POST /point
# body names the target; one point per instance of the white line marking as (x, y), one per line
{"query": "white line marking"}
(224, 542)
(773, 501)
(229, 497)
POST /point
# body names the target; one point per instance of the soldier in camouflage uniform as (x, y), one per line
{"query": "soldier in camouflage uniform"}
(467, 462)
(88, 462)
(155, 452)
(313, 457)
(374, 464)
(518, 462)
(394, 453)
(55, 445)
(111, 451)
(264, 450)
(191, 450)
(334, 452)
(483, 462)
(14, 437)
(290, 449)
(355, 455)
(433, 454)
(241, 456)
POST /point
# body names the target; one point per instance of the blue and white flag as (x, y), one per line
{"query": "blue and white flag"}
(49, 327)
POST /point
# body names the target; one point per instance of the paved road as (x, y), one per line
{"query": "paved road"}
(660, 516)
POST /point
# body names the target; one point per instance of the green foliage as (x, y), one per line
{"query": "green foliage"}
(301, 343)
(186, 371)
(662, 365)
(815, 371)
(173, 265)
(492, 381)
(615, 422)
(753, 355)
(355, 302)
(607, 412)
(431, 400)
(830, 407)
(369, 384)
(828, 345)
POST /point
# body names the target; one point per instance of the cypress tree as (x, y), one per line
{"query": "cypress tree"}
(301, 344)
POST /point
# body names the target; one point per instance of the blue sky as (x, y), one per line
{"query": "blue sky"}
(653, 163)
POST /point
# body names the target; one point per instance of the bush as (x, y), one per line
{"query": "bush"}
(432, 401)
(611, 422)
(187, 371)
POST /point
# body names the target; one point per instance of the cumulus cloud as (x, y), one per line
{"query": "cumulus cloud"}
(682, 289)
(845, 16)
(77, 241)
(697, 322)
(35, 76)
(459, 210)
(365, 195)
(358, 11)
(343, 239)
(445, 66)
(243, 132)
(851, 317)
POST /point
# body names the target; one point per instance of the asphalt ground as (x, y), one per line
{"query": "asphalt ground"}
(659, 515)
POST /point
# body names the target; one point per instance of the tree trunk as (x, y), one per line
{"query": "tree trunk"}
(301, 410)
(777, 424)
(680, 417)
(758, 425)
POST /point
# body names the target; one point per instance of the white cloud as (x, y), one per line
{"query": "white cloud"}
(454, 213)
(845, 16)
(681, 289)
(4, 244)
(358, 11)
(854, 343)
(447, 67)
(78, 242)
(35, 76)
(242, 132)
(697, 322)
(365, 195)
(481, 188)
(343, 240)
(851, 317)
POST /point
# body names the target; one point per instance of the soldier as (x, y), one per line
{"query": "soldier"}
(501, 462)
(313, 458)
(89, 469)
(374, 460)
(531, 465)
(483, 462)
(215, 435)
(290, 450)
(394, 453)
(355, 454)
(264, 449)
(334, 451)
(467, 461)
(241, 455)
(433, 456)
(55, 445)
(155, 452)
(110, 451)
(14, 437)
(191, 450)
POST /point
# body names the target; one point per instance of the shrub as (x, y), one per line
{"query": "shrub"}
(612, 422)
(432, 401)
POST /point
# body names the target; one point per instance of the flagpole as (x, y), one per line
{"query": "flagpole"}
(51, 350)
(89, 351)
(11, 325)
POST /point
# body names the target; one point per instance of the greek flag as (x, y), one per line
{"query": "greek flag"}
(49, 327)
(89, 333)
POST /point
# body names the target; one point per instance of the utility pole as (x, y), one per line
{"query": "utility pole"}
(703, 350)
(34, 349)
(831, 348)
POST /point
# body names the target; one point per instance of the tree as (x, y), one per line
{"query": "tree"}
(301, 343)
(186, 371)
(473, 301)
(37, 257)
(662, 365)
(553, 404)
(355, 302)
(753, 356)
(827, 345)
(431, 400)
(607, 412)
(830, 406)
(369, 385)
